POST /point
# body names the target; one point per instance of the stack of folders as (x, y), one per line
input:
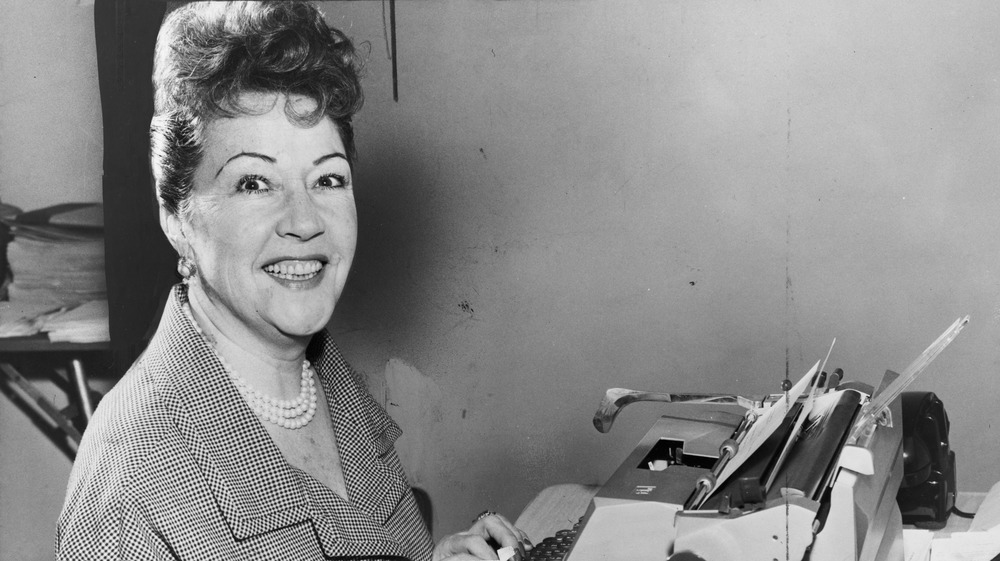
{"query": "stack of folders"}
(57, 285)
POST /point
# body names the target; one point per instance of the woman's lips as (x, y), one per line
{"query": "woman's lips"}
(294, 269)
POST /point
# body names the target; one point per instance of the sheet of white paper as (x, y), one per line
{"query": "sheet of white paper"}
(767, 422)
(807, 407)
(966, 546)
(917, 544)
(988, 514)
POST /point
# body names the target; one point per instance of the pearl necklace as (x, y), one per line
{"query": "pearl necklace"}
(287, 413)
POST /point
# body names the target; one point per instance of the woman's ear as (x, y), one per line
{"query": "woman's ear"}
(170, 223)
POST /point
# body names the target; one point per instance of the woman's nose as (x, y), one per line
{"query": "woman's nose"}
(301, 217)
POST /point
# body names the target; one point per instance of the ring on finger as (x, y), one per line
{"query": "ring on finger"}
(483, 514)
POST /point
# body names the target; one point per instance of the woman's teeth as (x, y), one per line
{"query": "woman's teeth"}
(294, 270)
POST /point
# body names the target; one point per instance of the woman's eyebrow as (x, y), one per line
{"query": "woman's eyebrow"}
(326, 157)
(264, 157)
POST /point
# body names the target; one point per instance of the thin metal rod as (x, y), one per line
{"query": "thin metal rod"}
(43, 404)
(80, 377)
(872, 410)
(392, 39)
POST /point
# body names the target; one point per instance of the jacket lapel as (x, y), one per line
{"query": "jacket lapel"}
(364, 436)
(255, 488)
(257, 491)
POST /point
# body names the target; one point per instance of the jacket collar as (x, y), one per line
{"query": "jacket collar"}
(256, 489)
(253, 484)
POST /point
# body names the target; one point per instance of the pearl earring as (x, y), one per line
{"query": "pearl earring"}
(185, 268)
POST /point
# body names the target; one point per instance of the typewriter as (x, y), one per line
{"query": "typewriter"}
(810, 473)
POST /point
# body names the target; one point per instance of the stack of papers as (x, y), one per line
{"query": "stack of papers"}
(55, 272)
(967, 546)
(21, 320)
(86, 323)
(56, 263)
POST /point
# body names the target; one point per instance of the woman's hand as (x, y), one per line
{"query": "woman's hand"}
(475, 543)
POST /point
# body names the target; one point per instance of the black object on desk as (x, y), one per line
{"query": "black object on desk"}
(927, 494)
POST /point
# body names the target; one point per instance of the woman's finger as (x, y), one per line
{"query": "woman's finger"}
(522, 536)
(523, 541)
(464, 543)
(505, 534)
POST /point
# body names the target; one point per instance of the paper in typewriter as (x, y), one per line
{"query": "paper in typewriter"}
(768, 420)
(817, 446)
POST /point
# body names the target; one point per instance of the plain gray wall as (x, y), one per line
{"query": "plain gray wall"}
(685, 196)
(576, 195)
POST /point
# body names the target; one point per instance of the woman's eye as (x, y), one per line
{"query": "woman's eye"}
(331, 181)
(252, 184)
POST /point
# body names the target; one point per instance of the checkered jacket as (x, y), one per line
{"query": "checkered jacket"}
(175, 465)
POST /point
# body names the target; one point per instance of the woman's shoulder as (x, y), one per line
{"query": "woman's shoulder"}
(134, 408)
(131, 429)
(134, 474)
(130, 449)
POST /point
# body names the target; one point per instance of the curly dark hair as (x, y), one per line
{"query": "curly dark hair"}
(208, 54)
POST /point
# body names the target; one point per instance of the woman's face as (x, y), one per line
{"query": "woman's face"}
(273, 226)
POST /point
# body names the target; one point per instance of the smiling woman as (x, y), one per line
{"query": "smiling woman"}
(270, 225)
(241, 432)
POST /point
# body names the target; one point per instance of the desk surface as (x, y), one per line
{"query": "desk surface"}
(556, 508)
(560, 506)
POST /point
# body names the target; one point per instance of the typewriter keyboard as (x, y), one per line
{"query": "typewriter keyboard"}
(556, 547)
